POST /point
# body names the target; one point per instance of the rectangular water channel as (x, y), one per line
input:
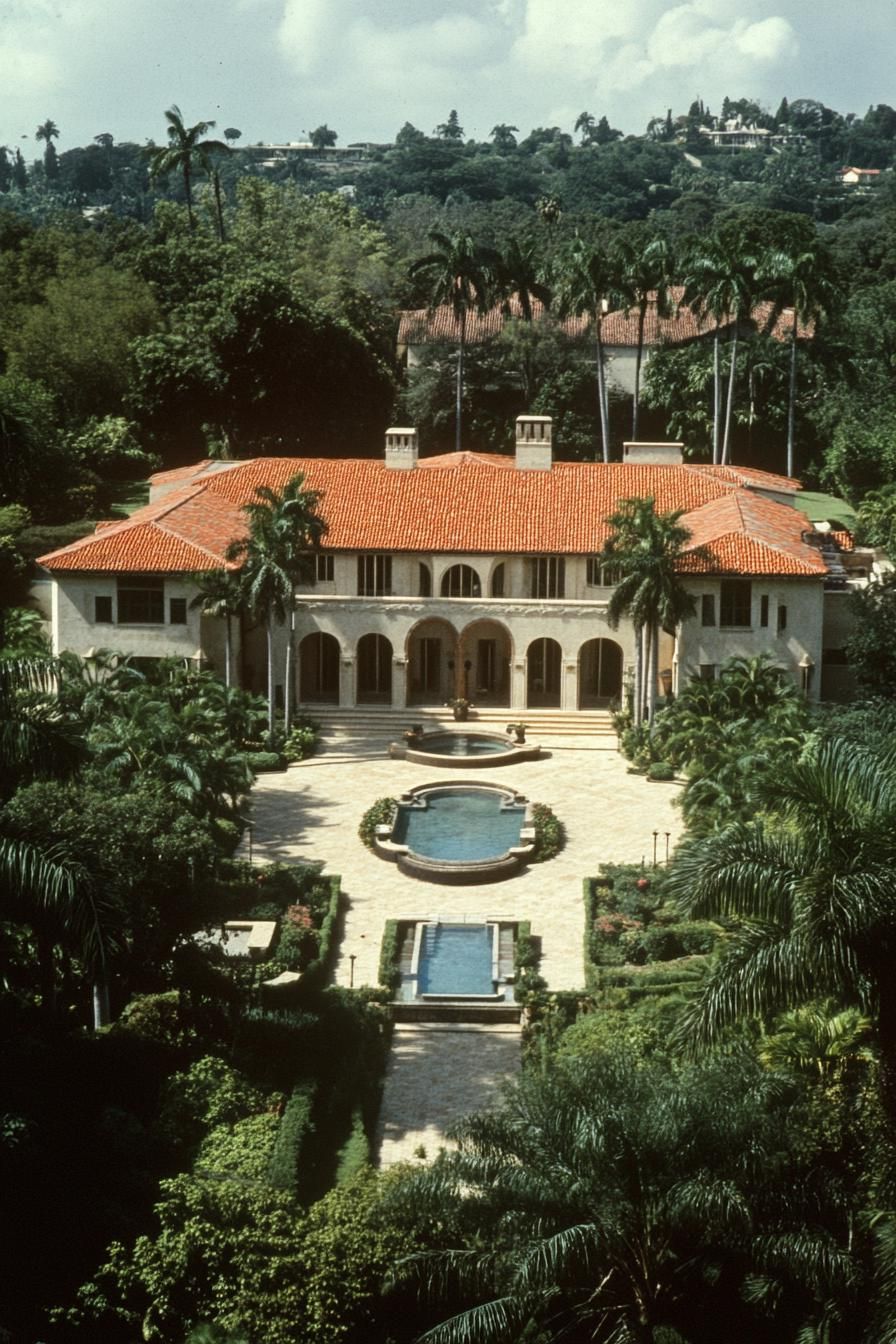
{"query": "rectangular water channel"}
(453, 961)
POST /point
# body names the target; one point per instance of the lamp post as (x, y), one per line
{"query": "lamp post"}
(655, 838)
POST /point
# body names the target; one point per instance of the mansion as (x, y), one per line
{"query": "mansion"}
(473, 575)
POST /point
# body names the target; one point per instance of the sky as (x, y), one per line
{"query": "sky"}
(275, 69)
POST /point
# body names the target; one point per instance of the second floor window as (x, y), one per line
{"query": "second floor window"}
(461, 581)
(141, 601)
(736, 603)
(547, 576)
(323, 572)
(374, 575)
(598, 575)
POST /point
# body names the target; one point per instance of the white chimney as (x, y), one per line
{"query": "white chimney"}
(654, 454)
(401, 448)
(533, 442)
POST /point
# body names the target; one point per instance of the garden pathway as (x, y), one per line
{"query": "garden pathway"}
(437, 1074)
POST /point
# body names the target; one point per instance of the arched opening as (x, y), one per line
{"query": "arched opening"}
(543, 674)
(319, 669)
(374, 670)
(499, 574)
(461, 581)
(600, 673)
(486, 652)
(432, 652)
(424, 580)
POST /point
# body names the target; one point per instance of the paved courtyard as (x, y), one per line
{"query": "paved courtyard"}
(312, 812)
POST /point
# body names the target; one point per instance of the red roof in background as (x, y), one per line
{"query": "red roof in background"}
(468, 503)
(424, 327)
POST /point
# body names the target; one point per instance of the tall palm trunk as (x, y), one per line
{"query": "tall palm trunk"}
(642, 314)
(652, 673)
(228, 652)
(730, 401)
(290, 655)
(100, 1003)
(270, 643)
(460, 382)
(219, 212)
(716, 395)
(602, 393)
(637, 689)
(791, 400)
(188, 192)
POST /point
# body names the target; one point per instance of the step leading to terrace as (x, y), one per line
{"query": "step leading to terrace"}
(391, 724)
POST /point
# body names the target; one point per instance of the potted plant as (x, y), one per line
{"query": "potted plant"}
(518, 730)
(461, 707)
(414, 733)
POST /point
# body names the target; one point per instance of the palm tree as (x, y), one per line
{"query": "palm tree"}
(459, 272)
(624, 1205)
(644, 277)
(802, 281)
(645, 548)
(284, 530)
(813, 884)
(185, 152)
(519, 276)
(47, 131)
(721, 282)
(588, 281)
(220, 596)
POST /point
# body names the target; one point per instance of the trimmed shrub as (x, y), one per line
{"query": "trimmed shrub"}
(379, 814)
(549, 833)
(294, 1130)
(317, 971)
(390, 951)
(661, 770)
(265, 762)
(301, 741)
(354, 1154)
(241, 1151)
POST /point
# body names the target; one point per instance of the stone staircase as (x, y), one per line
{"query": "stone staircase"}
(390, 724)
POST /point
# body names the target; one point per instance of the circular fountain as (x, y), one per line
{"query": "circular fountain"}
(458, 832)
(466, 748)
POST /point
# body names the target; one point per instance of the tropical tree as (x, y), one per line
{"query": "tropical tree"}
(812, 883)
(220, 596)
(802, 281)
(47, 131)
(644, 276)
(459, 272)
(186, 152)
(645, 549)
(503, 137)
(322, 137)
(284, 531)
(587, 282)
(519, 275)
(721, 282)
(622, 1205)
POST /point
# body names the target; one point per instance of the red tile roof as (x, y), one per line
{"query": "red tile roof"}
(424, 326)
(747, 534)
(467, 503)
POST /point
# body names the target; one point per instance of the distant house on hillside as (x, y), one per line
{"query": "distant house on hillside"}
(859, 177)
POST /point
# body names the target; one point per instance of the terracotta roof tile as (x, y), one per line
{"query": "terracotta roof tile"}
(467, 503)
(747, 534)
(424, 326)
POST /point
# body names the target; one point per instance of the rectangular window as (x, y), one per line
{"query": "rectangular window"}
(598, 575)
(707, 671)
(735, 603)
(177, 611)
(707, 609)
(102, 610)
(141, 601)
(374, 575)
(547, 576)
(763, 609)
(324, 569)
(782, 618)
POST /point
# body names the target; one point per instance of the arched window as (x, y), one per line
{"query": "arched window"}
(498, 580)
(461, 581)
(424, 581)
(374, 670)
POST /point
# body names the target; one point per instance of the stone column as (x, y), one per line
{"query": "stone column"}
(518, 679)
(569, 687)
(347, 681)
(399, 683)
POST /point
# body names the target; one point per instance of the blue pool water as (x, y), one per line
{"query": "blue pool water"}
(456, 959)
(467, 824)
(462, 744)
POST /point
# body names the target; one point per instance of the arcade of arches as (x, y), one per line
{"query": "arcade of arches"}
(442, 663)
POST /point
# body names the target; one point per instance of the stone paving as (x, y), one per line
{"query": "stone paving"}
(312, 812)
(437, 1074)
